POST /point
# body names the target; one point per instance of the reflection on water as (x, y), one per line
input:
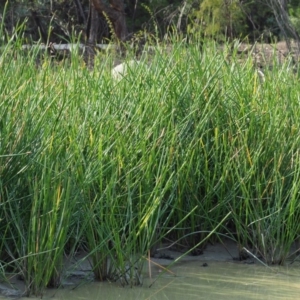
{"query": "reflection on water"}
(219, 280)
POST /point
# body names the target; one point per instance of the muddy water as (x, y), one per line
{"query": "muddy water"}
(218, 280)
(213, 275)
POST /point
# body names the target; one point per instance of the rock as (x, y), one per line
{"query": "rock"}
(119, 71)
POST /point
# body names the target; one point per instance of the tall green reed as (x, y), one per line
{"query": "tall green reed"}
(35, 182)
(264, 160)
(132, 182)
(170, 152)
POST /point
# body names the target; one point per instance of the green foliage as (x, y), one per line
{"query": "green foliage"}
(261, 20)
(118, 165)
(294, 12)
(219, 19)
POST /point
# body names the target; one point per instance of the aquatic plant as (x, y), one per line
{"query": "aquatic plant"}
(170, 153)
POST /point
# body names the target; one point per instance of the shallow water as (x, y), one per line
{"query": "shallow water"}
(219, 280)
(222, 278)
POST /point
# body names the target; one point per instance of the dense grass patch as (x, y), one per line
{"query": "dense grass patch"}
(176, 148)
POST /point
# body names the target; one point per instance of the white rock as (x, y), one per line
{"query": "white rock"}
(119, 71)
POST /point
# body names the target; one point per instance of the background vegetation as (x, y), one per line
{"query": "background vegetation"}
(60, 20)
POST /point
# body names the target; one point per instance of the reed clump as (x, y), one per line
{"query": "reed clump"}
(171, 150)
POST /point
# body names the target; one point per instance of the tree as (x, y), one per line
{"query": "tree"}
(220, 18)
(294, 12)
(114, 12)
(280, 11)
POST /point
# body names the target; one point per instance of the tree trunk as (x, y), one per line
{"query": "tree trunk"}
(91, 34)
(92, 25)
(279, 9)
(116, 14)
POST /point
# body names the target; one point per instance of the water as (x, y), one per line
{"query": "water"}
(219, 280)
(222, 278)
